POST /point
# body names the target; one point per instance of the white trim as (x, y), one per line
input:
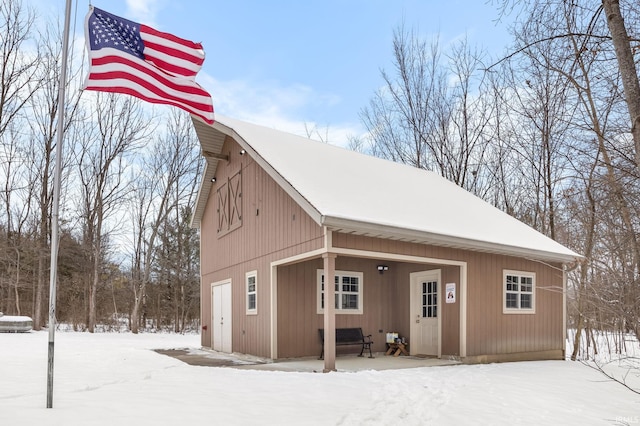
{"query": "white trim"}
(299, 257)
(221, 282)
(248, 275)
(393, 256)
(339, 310)
(273, 299)
(564, 311)
(463, 310)
(519, 274)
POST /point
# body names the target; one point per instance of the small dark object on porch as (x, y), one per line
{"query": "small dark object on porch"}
(349, 336)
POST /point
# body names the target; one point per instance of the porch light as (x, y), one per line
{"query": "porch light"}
(382, 268)
(213, 179)
(242, 152)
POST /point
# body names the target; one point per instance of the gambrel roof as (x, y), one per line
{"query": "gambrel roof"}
(356, 193)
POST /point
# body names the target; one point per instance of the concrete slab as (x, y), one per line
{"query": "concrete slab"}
(351, 363)
(345, 363)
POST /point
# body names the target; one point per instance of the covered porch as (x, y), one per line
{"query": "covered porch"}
(376, 291)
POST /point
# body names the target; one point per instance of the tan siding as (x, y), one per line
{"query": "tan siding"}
(205, 310)
(298, 320)
(275, 227)
(251, 247)
(450, 313)
(489, 331)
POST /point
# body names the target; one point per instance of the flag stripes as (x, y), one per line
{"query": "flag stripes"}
(137, 60)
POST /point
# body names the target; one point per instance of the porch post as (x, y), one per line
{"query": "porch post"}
(329, 312)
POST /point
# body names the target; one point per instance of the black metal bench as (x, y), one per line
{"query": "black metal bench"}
(347, 337)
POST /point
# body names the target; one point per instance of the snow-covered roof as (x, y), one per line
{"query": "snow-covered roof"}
(356, 193)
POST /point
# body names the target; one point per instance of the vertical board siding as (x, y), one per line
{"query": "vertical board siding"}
(273, 227)
(450, 313)
(489, 331)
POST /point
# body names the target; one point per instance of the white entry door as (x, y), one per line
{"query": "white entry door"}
(221, 317)
(425, 311)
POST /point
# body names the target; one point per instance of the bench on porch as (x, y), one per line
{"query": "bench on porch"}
(347, 337)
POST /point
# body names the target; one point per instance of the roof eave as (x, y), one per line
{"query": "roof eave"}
(203, 131)
(355, 227)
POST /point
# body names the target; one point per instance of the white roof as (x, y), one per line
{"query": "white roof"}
(352, 192)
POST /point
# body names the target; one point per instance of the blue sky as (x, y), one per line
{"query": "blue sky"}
(291, 63)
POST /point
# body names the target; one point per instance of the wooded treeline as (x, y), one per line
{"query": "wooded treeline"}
(548, 132)
(127, 256)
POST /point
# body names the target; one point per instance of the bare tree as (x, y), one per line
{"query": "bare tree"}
(430, 113)
(44, 109)
(121, 126)
(18, 63)
(626, 63)
(18, 60)
(166, 185)
(582, 53)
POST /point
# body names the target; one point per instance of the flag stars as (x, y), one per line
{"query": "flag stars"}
(108, 31)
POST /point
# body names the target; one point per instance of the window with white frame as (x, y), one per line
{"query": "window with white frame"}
(251, 279)
(348, 292)
(519, 292)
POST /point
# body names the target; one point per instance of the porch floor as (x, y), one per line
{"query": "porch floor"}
(350, 363)
(344, 363)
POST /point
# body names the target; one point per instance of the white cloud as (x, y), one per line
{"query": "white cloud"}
(143, 11)
(284, 108)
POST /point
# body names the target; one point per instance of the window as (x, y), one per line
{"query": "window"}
(348, 292)
(519, 292)
(251, 278)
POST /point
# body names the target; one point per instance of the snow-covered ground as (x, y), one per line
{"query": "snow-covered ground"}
(115, 379)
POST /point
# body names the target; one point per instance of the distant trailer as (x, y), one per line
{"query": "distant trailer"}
(15, 324)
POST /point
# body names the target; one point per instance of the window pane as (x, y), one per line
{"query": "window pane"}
(435, 312)
(251, 303)
(512, 300)
(525, 301)
(349, 301)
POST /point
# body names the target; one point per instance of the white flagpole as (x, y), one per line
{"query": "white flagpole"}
(56, 202)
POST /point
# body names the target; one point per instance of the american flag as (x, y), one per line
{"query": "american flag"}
(134, 59)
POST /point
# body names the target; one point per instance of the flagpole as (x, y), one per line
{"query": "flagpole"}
(55, 207)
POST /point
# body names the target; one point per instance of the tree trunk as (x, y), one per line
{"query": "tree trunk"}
(628, 73)
(17, 284)
(93, 289)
